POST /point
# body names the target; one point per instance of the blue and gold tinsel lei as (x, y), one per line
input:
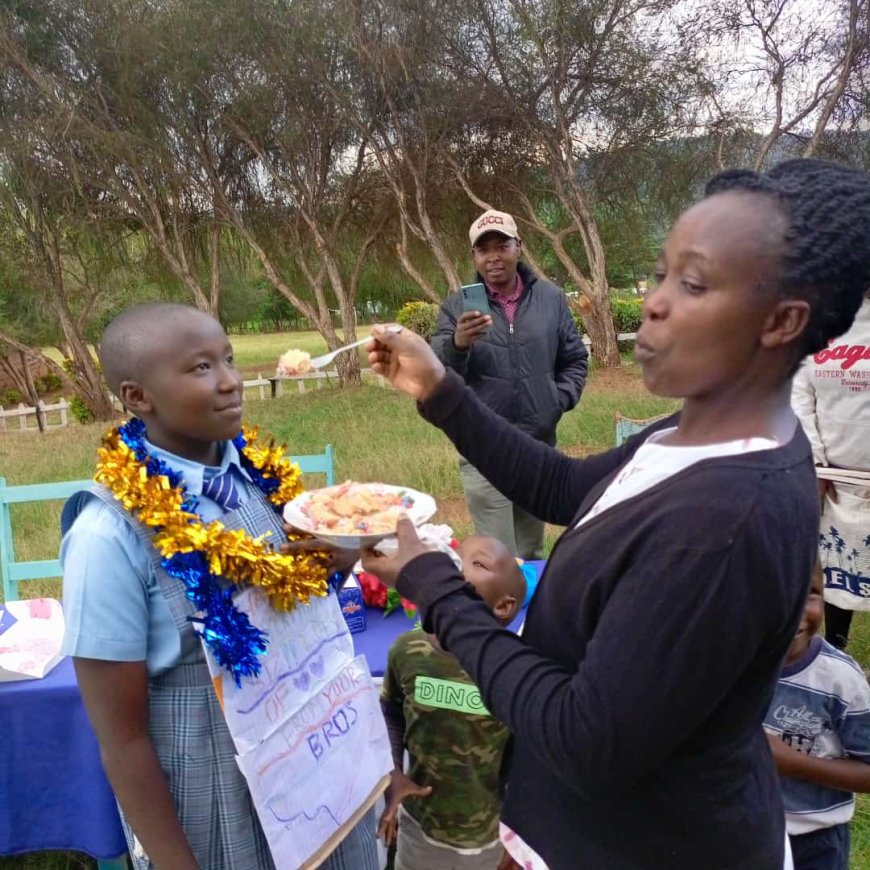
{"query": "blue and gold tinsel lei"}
(204, 556)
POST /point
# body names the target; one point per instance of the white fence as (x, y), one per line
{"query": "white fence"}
(622, 336)
(58, 415)
(55, 416)
(320, 378)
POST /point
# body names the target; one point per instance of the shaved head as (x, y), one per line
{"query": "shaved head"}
(493, 571)
(172, 366)
(128, 342)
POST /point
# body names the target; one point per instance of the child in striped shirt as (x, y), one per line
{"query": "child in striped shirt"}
(818, 726)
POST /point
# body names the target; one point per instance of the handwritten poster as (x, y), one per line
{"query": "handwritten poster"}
(307, 647)
(309, 732)
(310, 777)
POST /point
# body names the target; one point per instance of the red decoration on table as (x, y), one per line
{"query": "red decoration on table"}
(377, 594)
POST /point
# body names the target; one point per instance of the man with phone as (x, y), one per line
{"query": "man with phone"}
(513, 339)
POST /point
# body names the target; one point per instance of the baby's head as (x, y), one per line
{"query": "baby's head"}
(172, 366)
(489, 566)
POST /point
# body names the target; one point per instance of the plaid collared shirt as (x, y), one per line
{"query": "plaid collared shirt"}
(508, 303)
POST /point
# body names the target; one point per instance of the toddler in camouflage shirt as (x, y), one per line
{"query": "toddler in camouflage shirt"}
(447, 807)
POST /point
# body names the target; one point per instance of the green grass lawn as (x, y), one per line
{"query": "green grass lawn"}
(377, 435)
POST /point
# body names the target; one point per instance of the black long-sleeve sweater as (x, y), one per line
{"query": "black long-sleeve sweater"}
(637, 690)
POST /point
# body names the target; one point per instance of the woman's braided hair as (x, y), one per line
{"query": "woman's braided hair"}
(827, 260)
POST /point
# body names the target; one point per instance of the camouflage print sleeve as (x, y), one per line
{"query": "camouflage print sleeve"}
(391, 690)
(392, 703)
(394, 718)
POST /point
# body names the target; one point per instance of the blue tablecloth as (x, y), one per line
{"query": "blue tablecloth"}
(53, 792)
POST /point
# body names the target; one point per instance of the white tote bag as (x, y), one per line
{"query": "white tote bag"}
(844, 547)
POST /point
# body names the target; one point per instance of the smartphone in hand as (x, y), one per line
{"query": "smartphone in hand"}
(474, 298)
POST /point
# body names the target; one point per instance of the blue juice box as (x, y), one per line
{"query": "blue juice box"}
(350, 599)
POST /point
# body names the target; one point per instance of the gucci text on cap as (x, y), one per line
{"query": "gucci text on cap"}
(493, 221)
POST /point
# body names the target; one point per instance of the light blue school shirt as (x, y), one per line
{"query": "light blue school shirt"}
(113, 607)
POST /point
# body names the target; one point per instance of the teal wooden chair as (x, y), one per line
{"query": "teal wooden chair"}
(13, 572)
(626, 427)
(318, 463)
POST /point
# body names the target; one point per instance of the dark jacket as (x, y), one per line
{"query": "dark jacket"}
(531, 374)
(651, 649)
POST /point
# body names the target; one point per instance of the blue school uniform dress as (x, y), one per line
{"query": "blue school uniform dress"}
(120, 605)
(821, 707)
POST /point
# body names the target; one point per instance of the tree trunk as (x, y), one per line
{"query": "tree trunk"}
(599, 325)
(599, 320)
(89, 385)
(31, 391)
(348, 368)
(214, 287)
(347, 364)
(11, 371)
(89, 382)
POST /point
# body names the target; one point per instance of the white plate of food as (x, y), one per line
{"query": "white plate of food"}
(357, 514)
(293, 363)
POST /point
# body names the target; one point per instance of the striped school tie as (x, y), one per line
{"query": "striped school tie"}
(221, 490)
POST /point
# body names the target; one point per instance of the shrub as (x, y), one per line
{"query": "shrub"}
(419, 316)
(11, 397)
(79, 409)
(47, 383)
(626, 314)
(70, 367)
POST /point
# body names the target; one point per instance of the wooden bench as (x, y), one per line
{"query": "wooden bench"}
(319, 378)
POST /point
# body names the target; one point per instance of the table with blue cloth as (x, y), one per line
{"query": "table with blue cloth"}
(53, 792)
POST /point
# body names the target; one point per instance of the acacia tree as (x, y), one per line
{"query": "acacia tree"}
(304, 188)
(184, 145)
(314, 135)
(792, 70)
(61, 262)
(48, 236)
(104, 94)
(411, 102)
(585, 84)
